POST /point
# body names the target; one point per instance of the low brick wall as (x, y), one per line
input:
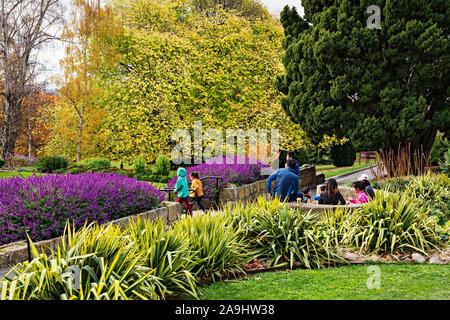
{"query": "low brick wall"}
(16, 252)
(246, 193)
(318, 208)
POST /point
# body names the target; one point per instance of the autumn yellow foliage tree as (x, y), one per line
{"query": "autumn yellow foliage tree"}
(77, 118)
(176, 65)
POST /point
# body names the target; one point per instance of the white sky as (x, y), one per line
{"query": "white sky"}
(53, 53)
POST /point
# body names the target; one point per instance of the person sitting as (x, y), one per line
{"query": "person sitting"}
(364, 178)
(332, 196)
(291, 156)
(306, 195)
(361, 196)
(286, 183)
(323, 189)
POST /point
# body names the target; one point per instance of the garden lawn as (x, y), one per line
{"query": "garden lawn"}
(398, 281)
(158, 185)
(4, 175)
(332, 171)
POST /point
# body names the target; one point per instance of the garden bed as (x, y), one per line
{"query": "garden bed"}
(13, 253)
(41, 205)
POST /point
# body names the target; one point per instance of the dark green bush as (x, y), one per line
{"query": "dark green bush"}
(302, 156)
(76, 170)
(140, 167)
(97, 163)
(445, 163)
(162, 166)
(440, 147)
(146, 178)
(343, 155)
(2, 163)
(51, 163)
(129, 174)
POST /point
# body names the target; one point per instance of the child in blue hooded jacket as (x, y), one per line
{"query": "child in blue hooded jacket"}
(182, 188)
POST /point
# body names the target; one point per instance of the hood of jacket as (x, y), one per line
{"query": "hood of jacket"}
(181, 172)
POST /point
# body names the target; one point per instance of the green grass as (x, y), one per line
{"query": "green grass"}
(5, 175)
(159, 185)
(332, 171)
(398, 281)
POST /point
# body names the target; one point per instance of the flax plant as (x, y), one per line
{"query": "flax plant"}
(393, 222)
(167, 253)
(283, 235)
(90, 266)
(217, 244)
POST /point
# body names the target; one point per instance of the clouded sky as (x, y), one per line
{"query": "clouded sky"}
(275, 6)
(51, 55)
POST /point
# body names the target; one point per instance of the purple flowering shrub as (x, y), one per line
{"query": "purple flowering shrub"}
(231, 172)
(43, 204)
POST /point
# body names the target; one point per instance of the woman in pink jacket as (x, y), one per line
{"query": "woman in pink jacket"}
(361, 195)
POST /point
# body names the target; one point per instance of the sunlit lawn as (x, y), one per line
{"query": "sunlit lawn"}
(4, 175)
(332, 171)
(397, 281)
(159, 185)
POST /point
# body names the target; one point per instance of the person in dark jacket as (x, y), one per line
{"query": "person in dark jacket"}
(332, 196)
(364, 178)
(291, 156)
(286, 183)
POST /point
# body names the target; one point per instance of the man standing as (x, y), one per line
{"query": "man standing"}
(286, 183)
(291, 156)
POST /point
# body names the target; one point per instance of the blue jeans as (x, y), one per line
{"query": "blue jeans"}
(198, 200)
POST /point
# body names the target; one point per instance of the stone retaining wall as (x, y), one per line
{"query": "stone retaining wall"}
(245, 193)
(16, 252)
(317, 208)
(249, 192)
(308, 177)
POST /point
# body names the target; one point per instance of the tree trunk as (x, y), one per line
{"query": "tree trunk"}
(80, 133)
(9, 137)
(30, 132)
(5, 136)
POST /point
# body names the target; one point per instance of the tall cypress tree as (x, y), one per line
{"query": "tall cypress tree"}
(382, 88)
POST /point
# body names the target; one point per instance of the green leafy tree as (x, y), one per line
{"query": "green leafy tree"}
(381, 88)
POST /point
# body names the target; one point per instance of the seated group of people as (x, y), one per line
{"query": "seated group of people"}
(286, 187)
(329, 193)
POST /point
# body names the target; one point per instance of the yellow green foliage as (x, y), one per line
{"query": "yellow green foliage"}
(146, 68)
(175, 66)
